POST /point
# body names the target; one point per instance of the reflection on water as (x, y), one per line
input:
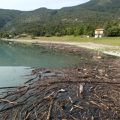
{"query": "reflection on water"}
(17, 55)
(13, 76)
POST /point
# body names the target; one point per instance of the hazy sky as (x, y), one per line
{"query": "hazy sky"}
(33, 4)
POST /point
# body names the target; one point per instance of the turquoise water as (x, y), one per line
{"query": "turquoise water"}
(17, 59)
(34, 56)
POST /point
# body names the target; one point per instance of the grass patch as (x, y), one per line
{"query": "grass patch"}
(106, 40)
(115, 41)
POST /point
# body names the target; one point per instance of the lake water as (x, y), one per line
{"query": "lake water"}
(16, 61)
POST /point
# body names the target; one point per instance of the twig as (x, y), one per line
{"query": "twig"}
(27, 116)
(8, 101)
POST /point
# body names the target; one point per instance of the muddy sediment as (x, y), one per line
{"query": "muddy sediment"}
(88, 91)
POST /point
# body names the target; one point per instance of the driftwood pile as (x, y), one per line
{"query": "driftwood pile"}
(84, 93)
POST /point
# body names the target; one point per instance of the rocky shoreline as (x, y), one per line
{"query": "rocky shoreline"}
(88, 91)
(106, 49)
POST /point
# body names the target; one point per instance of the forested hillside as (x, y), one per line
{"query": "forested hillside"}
(77, 20)
(7, 16)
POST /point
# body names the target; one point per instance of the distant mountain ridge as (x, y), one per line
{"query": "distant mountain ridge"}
(94, 11)
(103, 5)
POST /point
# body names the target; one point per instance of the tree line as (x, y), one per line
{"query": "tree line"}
(112, 29)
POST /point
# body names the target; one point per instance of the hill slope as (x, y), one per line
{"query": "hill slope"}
(94, 11)
(7, 16)
(110, 6)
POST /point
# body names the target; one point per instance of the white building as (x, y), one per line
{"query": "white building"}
(99, 33)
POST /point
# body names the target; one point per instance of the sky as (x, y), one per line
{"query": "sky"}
(34, 4)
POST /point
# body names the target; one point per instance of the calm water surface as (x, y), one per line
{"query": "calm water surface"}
(16, 61)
